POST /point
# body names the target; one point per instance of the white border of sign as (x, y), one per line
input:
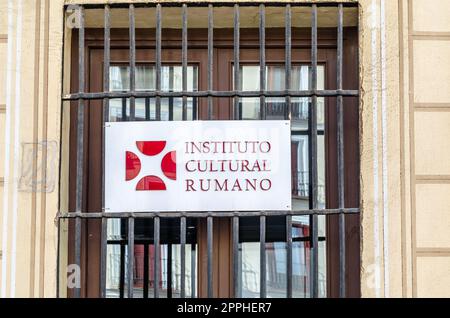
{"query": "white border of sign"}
(211, 156)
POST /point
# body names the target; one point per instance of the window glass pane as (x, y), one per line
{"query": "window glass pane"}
(301, 257)
(300, 171)
(276, 265)
(276, 247)
(276, 106)
(171, 81)
(119, 78)
(171, 109)
(249, 258)
(169, 261)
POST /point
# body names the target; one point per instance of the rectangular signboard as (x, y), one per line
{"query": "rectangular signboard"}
(198, 166)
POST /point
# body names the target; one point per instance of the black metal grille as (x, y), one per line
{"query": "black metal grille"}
(81, 97)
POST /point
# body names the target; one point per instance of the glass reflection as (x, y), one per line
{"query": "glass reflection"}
(170, 248)
(300, 171)
(145, 108)
(249, 256)
(169, 260)
(276, 258)
(276, 106)
(276, 248)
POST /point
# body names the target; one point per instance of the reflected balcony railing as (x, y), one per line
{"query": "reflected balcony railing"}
(302, 187)
(278, 109)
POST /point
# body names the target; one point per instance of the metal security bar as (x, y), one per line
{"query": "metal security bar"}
(313, 92)
(313, 202)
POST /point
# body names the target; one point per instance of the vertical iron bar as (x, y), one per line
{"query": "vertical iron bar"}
(340, 46)
(184, 58)
(194, 99)
(146, 270)
(288, 59)
(237, 84)
(106, 65)
(122, 271)
(340, 152)
(262, 60)
(240, 276)
(313, 157)
(237, 293)
(80, 145)
(288, 62)
(124, 109)
(77, 292)
(289, 256)
(210, 220)
(169, 270)
(183, 257)
(147, 109)
(262, 253)
(80, 124)
(209, 247)
(158, 60)
(58, 258)
(156, 244)
(314, 48)
(58, 254)
(193, 278)
(194, 108)
(132, 61)
(210, 57)
(130, 263)
(171, 86)
(103, 255)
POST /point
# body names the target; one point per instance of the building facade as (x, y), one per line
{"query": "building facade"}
(397, 54)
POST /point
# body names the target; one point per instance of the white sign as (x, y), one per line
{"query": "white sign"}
(198, 166)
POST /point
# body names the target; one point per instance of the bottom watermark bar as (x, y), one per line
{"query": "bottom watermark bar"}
(225, 307)
(276, 307)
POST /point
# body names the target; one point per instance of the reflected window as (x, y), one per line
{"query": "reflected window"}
(145, 108)
(170, 248)
(276, 248)
(276, 257)
(144, 254)
(249, 107)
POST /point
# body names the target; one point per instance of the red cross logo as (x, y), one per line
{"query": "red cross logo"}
(150, 182)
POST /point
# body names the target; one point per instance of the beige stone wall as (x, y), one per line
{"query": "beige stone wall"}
(405, 118)
(30, 77)
(3, 55)
(429, 106)
(405, 175)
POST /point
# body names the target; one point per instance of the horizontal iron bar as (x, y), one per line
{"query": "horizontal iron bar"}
(117, 215)
(124, 241)
(215, 4)
(149, 94)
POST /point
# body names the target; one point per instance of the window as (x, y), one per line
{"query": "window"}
(307, 74)
(145, 108)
